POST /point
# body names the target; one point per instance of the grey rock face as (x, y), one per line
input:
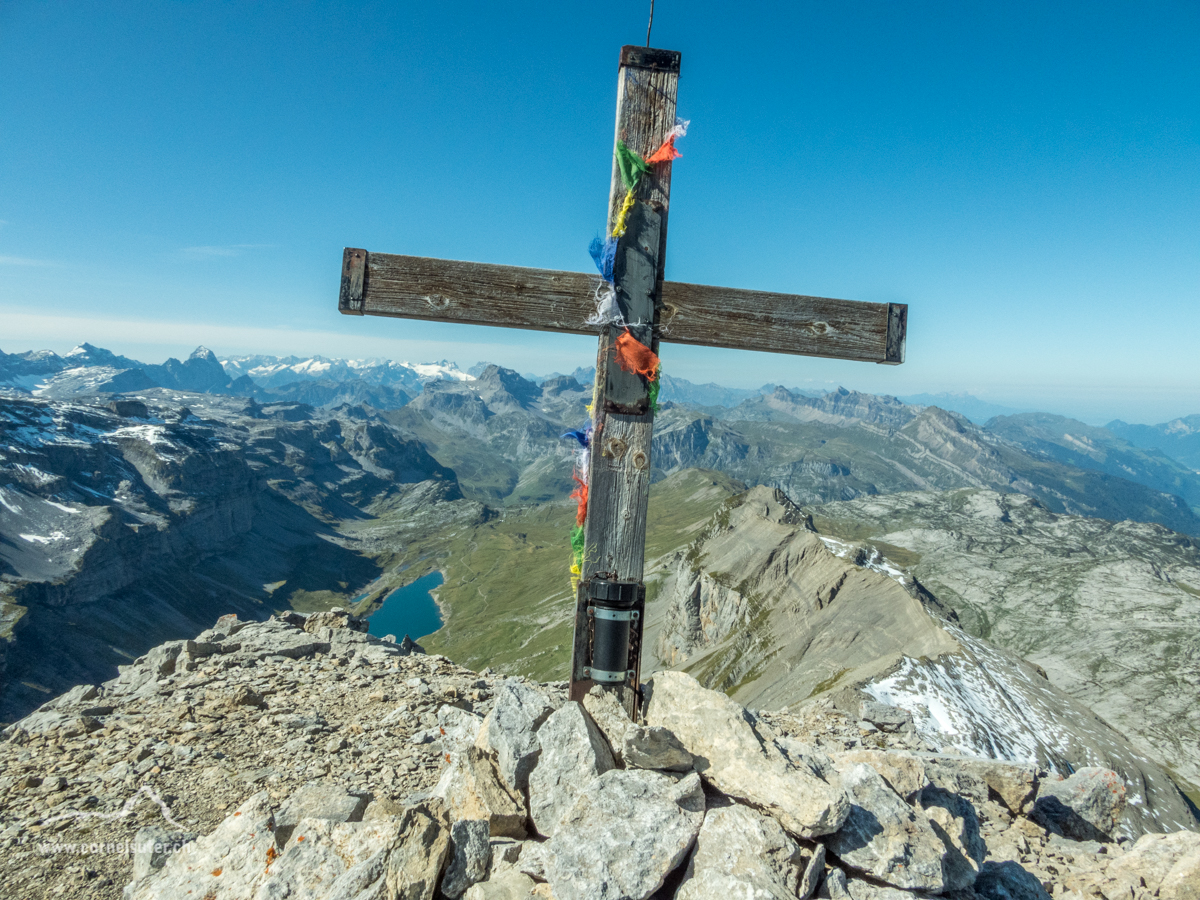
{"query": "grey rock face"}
(509, 732)
(635, 746)
(1014, 783)
(237, 850)
(729, 754)
(470, 856)
(885, 717)
(509, 885)
(886, 838)
(904, 773)
(573, 754)
(742, 853)
(317, 800)
(1087, 806)
(153, 846)
(471, 788)
(655, 747)
(954, 820)
(627, 831)
(418, 855)
(812, 874)
(458, 728)
(1008, 881)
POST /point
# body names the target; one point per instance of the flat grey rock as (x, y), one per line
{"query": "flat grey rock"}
(471, 788)
(884, 837)
(470, 856)
(628, 830)
(742, 853)
(509, 731)
(419, 853)
(729, 754)
(1087, 806)
(317, 800)
(573, 754)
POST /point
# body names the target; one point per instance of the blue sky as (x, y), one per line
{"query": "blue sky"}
(1025, 175)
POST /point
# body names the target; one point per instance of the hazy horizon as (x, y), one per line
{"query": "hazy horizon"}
(1025, 176)
(1012, 405)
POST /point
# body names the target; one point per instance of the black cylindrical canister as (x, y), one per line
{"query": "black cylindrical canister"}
(610, 645)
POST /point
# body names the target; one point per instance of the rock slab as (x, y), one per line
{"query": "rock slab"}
(730, 755)
(742, 853)
(627, 831)
(574, 753)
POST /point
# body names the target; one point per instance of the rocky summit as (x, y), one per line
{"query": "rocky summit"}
(301, 757)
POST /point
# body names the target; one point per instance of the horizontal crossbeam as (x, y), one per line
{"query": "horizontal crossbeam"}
(442, 290)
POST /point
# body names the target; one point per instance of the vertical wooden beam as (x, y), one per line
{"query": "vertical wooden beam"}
(619, 462)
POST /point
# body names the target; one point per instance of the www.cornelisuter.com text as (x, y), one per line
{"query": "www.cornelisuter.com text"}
(101, 848)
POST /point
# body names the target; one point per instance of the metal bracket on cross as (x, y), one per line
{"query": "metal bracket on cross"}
(610, 599)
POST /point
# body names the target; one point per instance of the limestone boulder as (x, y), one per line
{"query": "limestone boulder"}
(627, 831)
(730, 755)
(418, 854)
(509, 731)
(956, 822)
(635, 746)
(509, 885)
(471, 788)
(226, 864)
(326, 859)
(1014, 783)
(1008, 880)
(1166, 863)
(904, 773)
(573, 754)
(742, 853)
(457, 728)
(317, 800)
(470, 856)
(813, 871)
(885, 838)
(1087, 806)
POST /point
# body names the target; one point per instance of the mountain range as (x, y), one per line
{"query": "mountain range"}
(138, 502)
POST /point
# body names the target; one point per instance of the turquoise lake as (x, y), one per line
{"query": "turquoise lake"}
(408, 610)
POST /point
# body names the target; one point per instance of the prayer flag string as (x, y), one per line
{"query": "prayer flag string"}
(631, 354)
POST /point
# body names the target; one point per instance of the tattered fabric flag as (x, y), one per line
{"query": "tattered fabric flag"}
(619, 225)
(605, 255)
(608, 312)
(632, 166)
(583, 435)
(665, 153)
(655, 385)
(581, 494)
(666, 150)
(634, 356)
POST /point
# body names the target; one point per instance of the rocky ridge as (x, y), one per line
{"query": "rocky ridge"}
(766, 608)
(1104, 608)
(300, 757)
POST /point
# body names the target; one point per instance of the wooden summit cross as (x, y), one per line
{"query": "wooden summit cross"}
(610, 597)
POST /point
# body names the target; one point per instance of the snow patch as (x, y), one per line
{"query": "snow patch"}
(44, 539)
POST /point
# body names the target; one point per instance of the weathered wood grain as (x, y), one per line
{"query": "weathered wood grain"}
(414, 287)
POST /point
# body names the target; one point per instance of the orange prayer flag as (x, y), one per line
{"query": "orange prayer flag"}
(634, 356)
(666, 152)
(581, 494)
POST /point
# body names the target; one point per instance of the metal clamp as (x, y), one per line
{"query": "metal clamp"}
(604, 675)
(614, 615)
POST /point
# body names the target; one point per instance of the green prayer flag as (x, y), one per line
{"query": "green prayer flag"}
(631, 165)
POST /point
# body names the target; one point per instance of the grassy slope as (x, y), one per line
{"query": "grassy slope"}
(507, 595)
